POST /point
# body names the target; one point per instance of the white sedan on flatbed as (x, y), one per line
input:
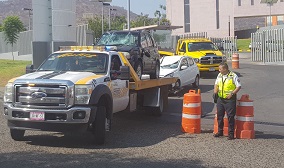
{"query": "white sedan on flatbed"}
(182, 67)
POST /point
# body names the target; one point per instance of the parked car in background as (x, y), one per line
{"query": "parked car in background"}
(182, 67)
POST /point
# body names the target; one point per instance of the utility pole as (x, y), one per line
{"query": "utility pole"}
(128, 15)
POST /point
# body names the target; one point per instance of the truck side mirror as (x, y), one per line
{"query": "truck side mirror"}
(30, 68)
(124, 73)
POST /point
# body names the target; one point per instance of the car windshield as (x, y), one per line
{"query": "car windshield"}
(119, 38)
(201, 46)
(170, 66)
(170, 62)
(79, 61)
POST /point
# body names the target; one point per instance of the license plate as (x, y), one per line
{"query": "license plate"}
(211, 69)
(39, 116)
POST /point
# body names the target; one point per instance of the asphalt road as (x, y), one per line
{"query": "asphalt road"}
(141, 140)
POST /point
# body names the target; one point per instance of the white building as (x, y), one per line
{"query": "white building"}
(216, 17)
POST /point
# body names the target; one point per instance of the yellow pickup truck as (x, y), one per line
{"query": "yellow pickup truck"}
(206, 54)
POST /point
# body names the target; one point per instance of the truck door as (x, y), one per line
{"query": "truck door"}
(145, 47)
(153, 51)
(119, 88)
(182, 49)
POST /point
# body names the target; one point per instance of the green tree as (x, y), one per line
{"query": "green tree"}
(12, 26)
(95, 24)
(1, 28)
(142, 20)
(161, 17)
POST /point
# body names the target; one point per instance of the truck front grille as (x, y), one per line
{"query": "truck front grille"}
(41, 96)
(211, 60)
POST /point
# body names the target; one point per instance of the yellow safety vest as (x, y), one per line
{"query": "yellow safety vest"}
(227, 86)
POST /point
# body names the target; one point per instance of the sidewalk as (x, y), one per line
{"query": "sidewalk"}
(9, 56)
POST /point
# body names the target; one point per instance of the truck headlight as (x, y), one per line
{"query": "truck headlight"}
(224, 58)
(83, 93)
(8, 95)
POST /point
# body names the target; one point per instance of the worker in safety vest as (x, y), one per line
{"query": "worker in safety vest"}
(226, 88)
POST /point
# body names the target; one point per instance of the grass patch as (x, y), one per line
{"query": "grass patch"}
(11, 69)
(243, 44)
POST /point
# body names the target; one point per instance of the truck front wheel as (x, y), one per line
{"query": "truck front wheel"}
(99, 126)
(17, 134)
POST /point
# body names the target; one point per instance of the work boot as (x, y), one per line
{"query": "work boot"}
(218, 134)
(231, 137)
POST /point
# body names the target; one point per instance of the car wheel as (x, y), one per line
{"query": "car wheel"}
(196, 82)
(99, 126)
(17, 134)
(156, 74)
(138, 69)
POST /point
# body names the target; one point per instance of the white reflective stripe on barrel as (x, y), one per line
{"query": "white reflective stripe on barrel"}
(191, 105)
(235, 60)
(244, 118)
(190, 116)
(245, 103)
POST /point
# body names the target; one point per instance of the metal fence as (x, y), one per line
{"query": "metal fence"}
(169, 42)
(267, 46)
(24, 44)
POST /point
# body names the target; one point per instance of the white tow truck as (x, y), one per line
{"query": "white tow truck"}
(79, 88)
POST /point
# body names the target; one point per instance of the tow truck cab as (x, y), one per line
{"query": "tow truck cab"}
(78, 89)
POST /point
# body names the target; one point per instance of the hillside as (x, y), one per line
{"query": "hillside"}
(84, 8)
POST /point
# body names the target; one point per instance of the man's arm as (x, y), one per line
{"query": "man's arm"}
(216, 89)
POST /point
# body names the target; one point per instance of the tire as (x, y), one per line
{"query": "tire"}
(156, 74)
(99, 125)
(17, 134)
(195, 84)
(138, 69)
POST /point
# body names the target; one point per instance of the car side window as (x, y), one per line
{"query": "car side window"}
(184, 63)
(144, 43)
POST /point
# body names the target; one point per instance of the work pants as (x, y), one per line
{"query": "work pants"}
(229, 106)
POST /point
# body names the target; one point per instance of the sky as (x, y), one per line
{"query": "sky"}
(140, 6)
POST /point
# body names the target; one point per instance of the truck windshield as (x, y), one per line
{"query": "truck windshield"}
(119, 38)
(201, 46)
(77, 61)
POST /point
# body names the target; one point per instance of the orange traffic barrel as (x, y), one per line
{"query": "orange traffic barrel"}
(226, 125)
(191, 112)
(245, 118)
(235, 61)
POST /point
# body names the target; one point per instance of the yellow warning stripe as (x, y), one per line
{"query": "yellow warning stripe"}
(85, 80)
(12, 80)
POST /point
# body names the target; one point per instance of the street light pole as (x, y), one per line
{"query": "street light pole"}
(102, 18)
(128, 15)
(109, 25)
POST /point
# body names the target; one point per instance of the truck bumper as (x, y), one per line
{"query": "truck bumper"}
(208, 68)
(75, 118)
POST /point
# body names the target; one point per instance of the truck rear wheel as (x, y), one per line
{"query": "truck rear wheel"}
(156, 73)
(99, 125)
(138, 69)
(17, 134)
